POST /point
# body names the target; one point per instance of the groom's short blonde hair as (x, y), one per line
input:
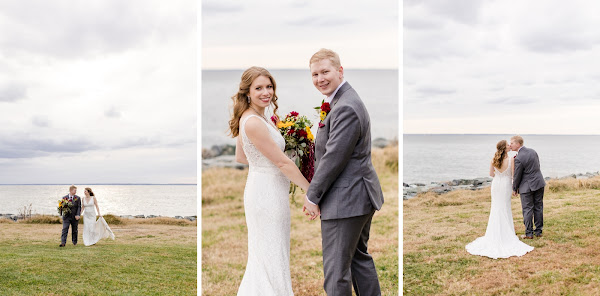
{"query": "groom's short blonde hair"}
(517, 139)
(329, 54)
(72, 187)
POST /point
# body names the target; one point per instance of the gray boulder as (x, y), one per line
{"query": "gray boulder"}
(223, 161)
(380, 143)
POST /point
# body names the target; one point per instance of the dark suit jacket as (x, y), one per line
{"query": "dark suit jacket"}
(345, 183)
(76, 211)
(528, 176)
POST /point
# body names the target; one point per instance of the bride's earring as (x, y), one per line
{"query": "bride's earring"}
(248, 99)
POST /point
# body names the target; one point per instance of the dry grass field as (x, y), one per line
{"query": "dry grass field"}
(566, 261)
(224, 235)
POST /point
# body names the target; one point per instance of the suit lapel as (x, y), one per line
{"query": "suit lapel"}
(339, 94)
(336, 98)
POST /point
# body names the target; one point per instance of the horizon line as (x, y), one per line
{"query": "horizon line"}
(270, 69)
(492, 134)
(69, 184)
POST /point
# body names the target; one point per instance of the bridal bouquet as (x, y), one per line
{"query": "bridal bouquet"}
(64, 206)
(299, 143)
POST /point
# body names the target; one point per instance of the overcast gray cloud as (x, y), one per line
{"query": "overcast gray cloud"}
(112, 112)
(40, 121)
(501, 67)
(70, 29)
(28, 147)
(107, 87)
(322, 21)
(284, 34)
(12, 92)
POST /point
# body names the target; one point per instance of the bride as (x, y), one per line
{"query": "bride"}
(93, 231)
(266, 195)
(500, 240)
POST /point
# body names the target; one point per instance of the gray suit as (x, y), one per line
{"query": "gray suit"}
(69, 219)
(529, 183)
(347, 190)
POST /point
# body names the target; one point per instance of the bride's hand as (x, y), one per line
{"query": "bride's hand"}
(310, 210)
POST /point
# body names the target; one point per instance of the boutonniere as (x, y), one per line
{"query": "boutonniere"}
(323, 111)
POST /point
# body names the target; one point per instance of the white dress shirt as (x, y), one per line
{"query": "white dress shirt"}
(330, 98)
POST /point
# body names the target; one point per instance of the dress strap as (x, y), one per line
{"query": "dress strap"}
(243, 125)
(248, 117)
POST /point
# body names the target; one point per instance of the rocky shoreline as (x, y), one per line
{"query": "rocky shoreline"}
(411, 190)
(20, 217)
(223, 156)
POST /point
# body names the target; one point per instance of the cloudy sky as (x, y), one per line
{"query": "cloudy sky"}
(284, 34)
(528, 67)
(98, 92)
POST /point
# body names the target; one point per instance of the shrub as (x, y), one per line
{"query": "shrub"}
(43, 219)
(112, 219)
(557, 185)
(166, 221)
(6, 220)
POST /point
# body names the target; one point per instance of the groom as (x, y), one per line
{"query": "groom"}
(345, 189)
(529, 182)
(71, 218)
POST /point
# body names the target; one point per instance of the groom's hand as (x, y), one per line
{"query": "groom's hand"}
(515, 193)
(76, 217)
(310, 210)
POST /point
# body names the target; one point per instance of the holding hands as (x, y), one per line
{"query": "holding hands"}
(310, 209)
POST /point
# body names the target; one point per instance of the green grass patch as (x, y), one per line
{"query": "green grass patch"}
(30, 266)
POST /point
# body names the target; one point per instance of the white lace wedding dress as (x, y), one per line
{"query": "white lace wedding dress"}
(500, 240)
(94, 231)
(266, 204)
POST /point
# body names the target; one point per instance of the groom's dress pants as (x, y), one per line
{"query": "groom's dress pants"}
(346, 262)
(69, 220)
(533, 208)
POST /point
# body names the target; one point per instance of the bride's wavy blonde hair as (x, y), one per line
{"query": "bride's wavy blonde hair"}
(500, 154)
(240, 99)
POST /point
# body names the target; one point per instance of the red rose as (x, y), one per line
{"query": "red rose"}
(291, 131)
(274, 119)
(326, 107)
(294, 113)
(321, 124)
(302, 134)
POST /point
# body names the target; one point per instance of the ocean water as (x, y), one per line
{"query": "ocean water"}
(164, 200)
(377, 88)
(433, 158)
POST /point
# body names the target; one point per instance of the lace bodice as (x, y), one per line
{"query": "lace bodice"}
(507, 173)
(267, 211)
(256, 160)
(90, 204)
(90, 208)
